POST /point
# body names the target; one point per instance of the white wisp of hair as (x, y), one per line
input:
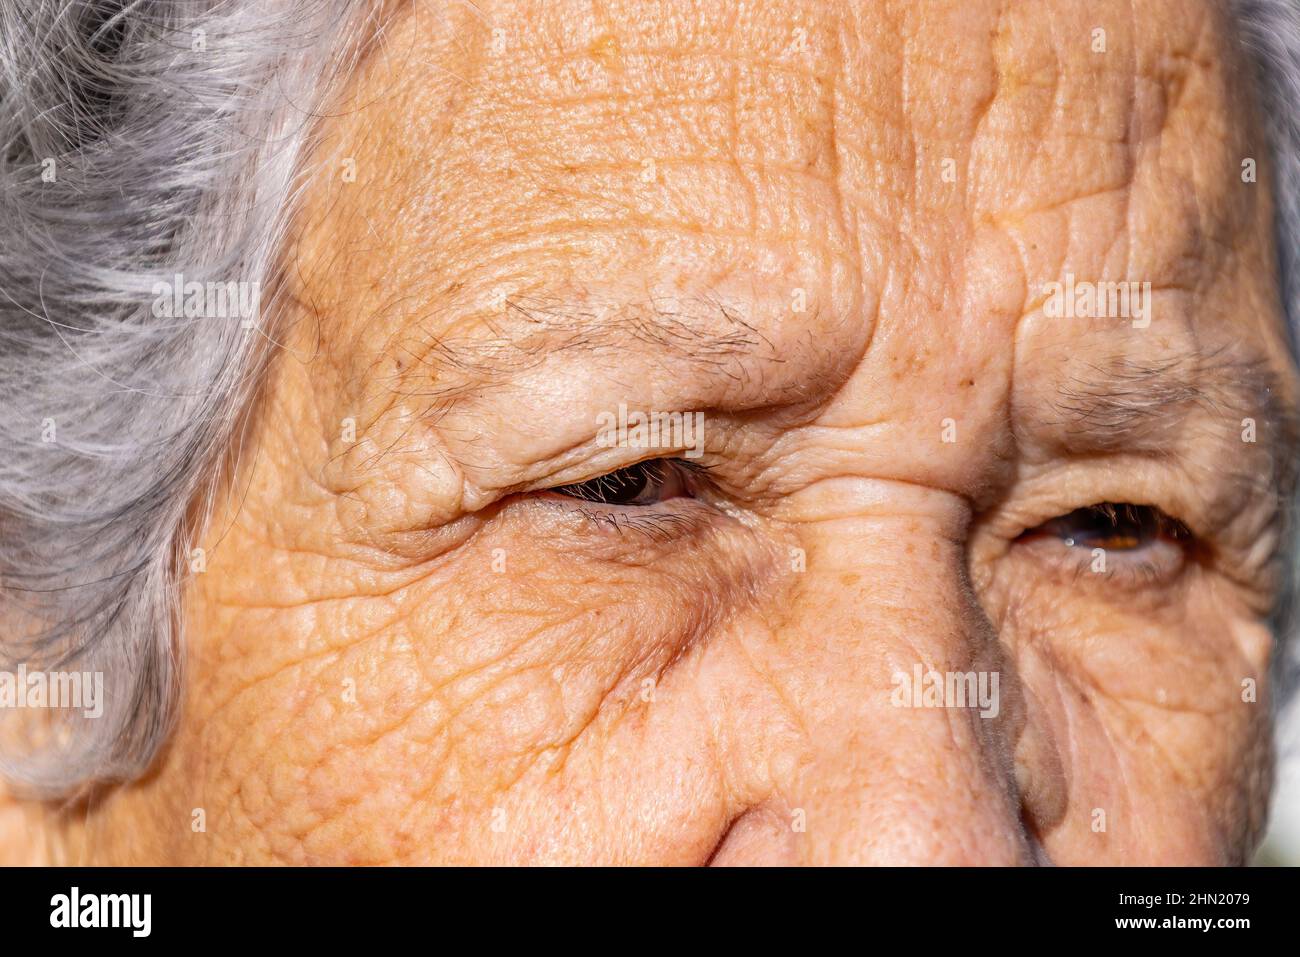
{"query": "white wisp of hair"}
(138, 141)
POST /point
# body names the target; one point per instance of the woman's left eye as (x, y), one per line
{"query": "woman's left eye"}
(1115, 527)
(646, 483)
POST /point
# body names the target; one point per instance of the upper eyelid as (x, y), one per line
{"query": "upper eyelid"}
(587, 475)
(1215, 510)
(585, 470)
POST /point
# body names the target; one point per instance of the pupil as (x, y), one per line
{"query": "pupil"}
(624, 486)
(617, 488)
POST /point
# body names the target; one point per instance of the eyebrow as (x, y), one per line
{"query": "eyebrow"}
(699, 330)
(1121, 403)
(1128, 403)
(698, 327)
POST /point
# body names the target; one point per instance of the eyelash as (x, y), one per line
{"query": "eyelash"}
(590, 498)
(660, 528)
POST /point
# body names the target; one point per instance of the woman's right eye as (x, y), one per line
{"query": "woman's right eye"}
(646, 483)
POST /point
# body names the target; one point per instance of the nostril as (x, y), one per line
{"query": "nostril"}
(759, 837)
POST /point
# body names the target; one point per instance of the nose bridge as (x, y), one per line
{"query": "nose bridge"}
(894, 680)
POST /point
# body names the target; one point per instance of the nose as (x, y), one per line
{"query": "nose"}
(900, 706)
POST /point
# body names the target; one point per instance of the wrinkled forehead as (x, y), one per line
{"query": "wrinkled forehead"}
(521, 170)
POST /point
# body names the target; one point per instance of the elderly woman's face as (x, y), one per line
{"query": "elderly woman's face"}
(966, 556)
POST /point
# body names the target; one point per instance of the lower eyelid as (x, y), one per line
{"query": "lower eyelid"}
(659, 526)
(1154, 564)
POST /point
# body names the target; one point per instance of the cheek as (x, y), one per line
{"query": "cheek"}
(505, 680)
(526, 696)
(1145, 718)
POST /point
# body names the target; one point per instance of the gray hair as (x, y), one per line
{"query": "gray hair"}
(140, 140)
(145, 139)
(1270, 32)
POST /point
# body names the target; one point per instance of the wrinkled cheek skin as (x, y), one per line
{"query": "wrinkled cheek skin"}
(529, 718)
(1116, 778)
(1149, 739)
(578, 709)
